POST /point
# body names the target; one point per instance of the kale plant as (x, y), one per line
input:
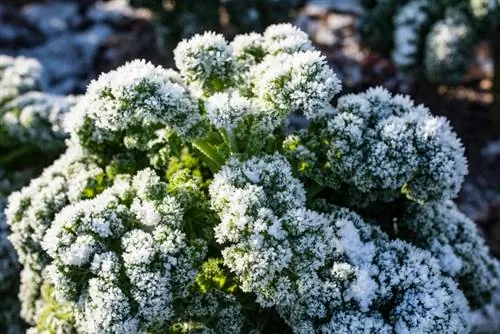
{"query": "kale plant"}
(31, 134)
(433, 40)
(31, 121)
(186, 204)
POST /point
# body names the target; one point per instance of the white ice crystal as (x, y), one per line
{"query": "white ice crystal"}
(205, 61)
(379, 146)
(114, 239)
(455, 241)
(139, 94)
(248, 49)
(287, 270)
(285, 38)
(226, 110)
(30, 212)
(19, 75)
(296, 82)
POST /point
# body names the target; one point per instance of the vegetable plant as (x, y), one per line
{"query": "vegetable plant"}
(186, 203)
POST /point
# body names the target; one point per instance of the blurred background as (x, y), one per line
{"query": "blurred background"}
(442, 53)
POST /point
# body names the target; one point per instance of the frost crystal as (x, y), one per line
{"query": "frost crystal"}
(136, 95)
(18, 75)
(205, 61)
(285, 38)
(248, 50)
(226, 110)
(134, 264)
(31, 210)
(309, 265)
(454, 240)
(298, 82)
(187, 203)
(380, 146)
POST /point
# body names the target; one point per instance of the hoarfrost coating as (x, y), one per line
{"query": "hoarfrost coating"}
(186, 203)
(283, 252)
(379, 147)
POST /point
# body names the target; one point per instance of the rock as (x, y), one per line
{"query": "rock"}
(77, 40)
(68, 59)
(52, 18)
(110, 12)
(16, 31)
(342, 6)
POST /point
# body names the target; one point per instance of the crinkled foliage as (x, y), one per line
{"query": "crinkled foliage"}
(30, 130)
(186, 204)
(27, 115)
(437, 36)
(378, 147)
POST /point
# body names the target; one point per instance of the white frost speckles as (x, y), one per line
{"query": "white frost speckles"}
(248, 49)
(107, 309)
(299, 82)
(133, 232)
(205, 61)
(290, 269)
(30, 212)
(226, 110)
(380, 147)
(224, 311)
(285, 38)
(140, 94)
(453, 239)
(78, 253)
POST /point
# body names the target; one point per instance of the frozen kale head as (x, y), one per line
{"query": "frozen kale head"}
(31, 121)
(186, 203)
(378, 147)
(36, 118)
(127, 259)
(448, 50)
(436, 36)
(326, 272)
(19, 75)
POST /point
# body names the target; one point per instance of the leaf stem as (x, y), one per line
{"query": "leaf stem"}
(314, 189)
(215, 160)
(12, 156)
(230, 141)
